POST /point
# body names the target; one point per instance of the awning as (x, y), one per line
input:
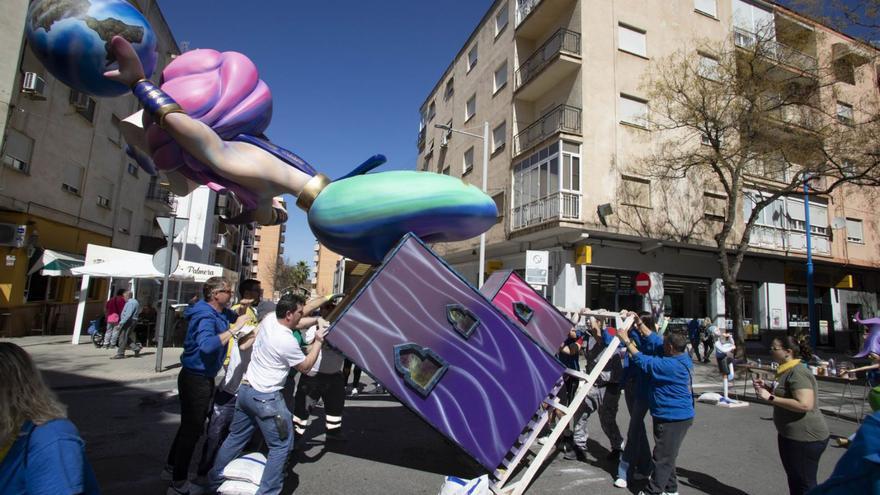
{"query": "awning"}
(133, 267)
(57, 264)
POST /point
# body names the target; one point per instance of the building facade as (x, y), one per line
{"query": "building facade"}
(326, 262)
(560, 83)
(267, 253)
(65, 180)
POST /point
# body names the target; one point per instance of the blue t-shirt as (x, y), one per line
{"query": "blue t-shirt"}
(49, 459)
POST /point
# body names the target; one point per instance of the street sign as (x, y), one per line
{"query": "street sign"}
(643, 283)
(165, 224)
(537, 267)
(161, 258)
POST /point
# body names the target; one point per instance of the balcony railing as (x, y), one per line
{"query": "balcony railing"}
(775, 50)
(525, 8)
(562, 41)
(557, 206)
(788, 240)
(160, 194)
(420, 143)
(564, 118)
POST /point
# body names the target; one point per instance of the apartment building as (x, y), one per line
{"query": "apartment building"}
(560, 84)
(65, 182)
(323, 275)
(267, 252)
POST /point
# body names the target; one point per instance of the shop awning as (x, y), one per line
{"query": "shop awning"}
(133, 267)
(57, 264)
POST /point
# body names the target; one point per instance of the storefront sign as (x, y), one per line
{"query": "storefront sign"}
(643, 283)
(10, 260)
(584, 255)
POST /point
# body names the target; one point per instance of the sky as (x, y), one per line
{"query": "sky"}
(347, 78)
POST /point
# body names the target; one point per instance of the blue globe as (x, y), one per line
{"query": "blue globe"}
(71, 38)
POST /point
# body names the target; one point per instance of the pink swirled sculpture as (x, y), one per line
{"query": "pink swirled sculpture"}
(225, 92)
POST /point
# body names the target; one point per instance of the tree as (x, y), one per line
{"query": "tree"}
(291, 276)
(747, 123)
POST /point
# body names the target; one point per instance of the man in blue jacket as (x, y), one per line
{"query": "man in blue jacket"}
(672, 404)
(209, 330)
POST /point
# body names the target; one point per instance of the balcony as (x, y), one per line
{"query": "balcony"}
(790, 240)
(557, 206)
(420, 143)
(160, 195)
(536, 17)
(562, 119)
(776, 51)
(556, 59)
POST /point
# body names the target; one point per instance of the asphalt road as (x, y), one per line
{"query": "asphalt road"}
(391, 451)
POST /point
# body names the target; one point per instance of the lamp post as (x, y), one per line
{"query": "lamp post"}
(811, 310)
(485, 138)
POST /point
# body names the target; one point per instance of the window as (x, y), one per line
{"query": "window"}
(500, 77)
(84, 104)
(633, 111)
(543, 188)
(468, 161)
(854, 230)
(125, 221)
(635, 191)
(115, 132)
(72, 179)
(432, 110)
(796, 217)
(709, 68)
(499, 137)
(133, 169)
(714, 205)
(500, 20)
(754, 19)
(17, 149)
(105, 192)
(450, 88)
(632, 40)
(499, 205)
(470, 108)
(445, 170)
(426, 166)
(472, 58)
(844, 113)
(844, 71)
(708, 7)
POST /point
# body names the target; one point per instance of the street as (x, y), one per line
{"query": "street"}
(129, 428)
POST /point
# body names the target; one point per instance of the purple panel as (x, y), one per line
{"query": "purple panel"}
(496, 378)
(547, 325)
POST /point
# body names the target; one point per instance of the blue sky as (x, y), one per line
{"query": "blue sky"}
(347, 77)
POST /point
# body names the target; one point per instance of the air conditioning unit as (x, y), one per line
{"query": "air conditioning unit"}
(81, 102)
(34, 86)
(12, 234)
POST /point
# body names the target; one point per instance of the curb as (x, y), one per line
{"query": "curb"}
(113, 384)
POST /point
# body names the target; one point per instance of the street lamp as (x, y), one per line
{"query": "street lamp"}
(485, 138)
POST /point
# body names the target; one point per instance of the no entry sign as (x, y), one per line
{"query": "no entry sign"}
(643, 283)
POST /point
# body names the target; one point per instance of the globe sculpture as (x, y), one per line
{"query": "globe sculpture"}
(71, 38)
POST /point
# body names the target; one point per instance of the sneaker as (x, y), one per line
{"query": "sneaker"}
(669, 493)
(335, 435)
(620, 483)
(167, 473)
(118, 356)
(137, 352)
(186, 488)
(543, 440)
(354, 392)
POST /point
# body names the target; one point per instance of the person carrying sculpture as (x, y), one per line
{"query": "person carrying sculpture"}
(635, 461)
(260, 403)
(670, 385)
(323, 382)
(602, 397)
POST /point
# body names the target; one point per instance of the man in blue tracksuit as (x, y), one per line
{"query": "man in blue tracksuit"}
(204, 348)
(672, 404)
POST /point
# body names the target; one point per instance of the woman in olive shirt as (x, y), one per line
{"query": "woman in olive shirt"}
(803, 434)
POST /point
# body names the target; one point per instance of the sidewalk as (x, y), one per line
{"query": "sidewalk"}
(67, 366)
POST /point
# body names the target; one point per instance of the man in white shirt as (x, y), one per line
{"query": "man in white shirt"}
(260, 403)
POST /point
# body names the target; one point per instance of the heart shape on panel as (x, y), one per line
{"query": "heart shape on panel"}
(462, 319)
(420, 367)
(523, 312)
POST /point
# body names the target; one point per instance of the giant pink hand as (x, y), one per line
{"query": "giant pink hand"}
(130, 68)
